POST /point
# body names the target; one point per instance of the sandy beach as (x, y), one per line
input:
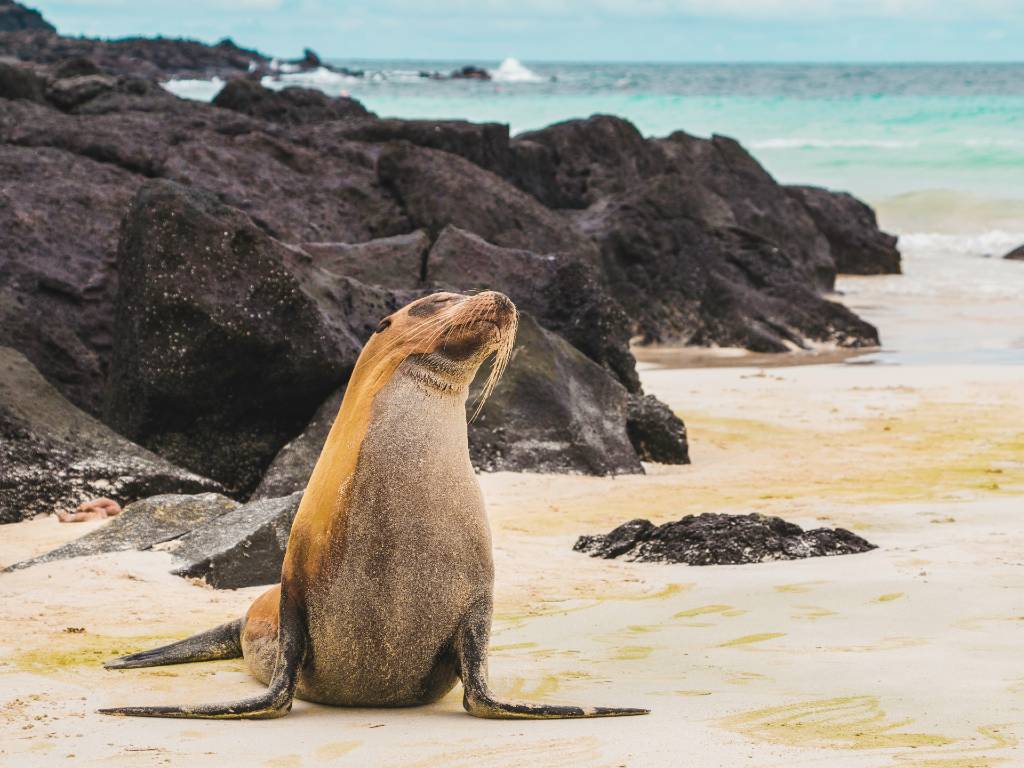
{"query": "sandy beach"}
(905, 656)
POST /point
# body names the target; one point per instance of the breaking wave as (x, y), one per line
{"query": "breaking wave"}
(512, 71)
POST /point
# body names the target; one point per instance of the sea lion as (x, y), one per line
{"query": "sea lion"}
(97, 509)
(387, 584)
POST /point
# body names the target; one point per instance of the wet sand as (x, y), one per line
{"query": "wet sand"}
(906, 656)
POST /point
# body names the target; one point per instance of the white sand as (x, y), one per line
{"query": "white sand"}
(910, 656)
(906, 656)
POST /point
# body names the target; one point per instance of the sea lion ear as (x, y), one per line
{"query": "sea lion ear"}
(383, 326)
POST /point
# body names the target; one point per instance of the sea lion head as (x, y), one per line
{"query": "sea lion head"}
(444, 338)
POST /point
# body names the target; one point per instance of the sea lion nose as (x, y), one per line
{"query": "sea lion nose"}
(503, 305)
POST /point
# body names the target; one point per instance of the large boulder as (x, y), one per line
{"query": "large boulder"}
(1017, 254)
(483, 144)
(857, 245)
(220, 355)
(291, 468)
(53, 456)
(391, 262)
(241, 548)
(142, 526)
(437, 188)
(564, 292)
(739, 192)
(681, 279)
(289, 106)
(18, 81)
(590, 158)
(212, 537)
(554, 410)
(58, 233)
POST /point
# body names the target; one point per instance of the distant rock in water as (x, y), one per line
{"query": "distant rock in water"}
(1017, 254)
(717, 539)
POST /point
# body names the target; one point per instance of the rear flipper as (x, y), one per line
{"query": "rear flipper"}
(276, 701)
(223, 642)
(471, 647)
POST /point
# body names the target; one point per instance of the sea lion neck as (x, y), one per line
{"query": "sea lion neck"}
(439, 374)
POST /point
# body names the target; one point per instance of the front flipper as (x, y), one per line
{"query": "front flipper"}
(471, 646)
(275, 702)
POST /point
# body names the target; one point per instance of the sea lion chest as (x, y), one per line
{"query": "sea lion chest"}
(414, 554)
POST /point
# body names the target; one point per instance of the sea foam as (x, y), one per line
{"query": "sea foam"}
(512, 71)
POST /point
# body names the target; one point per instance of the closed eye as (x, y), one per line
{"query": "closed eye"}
(383, 326)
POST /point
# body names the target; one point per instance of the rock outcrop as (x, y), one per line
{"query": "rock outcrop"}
(211, 537)
(15, 17)
(555, 410)
(271, 230)
(857, 245)
(564, 292)
(53, 456)
(290, 106)
(143, 525)
(717, 539)
(220, 356)
(291, 468)
(241, 548)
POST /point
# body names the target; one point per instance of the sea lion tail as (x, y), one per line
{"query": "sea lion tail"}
(223, 642)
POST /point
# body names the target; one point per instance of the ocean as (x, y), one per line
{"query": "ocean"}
(936, 149)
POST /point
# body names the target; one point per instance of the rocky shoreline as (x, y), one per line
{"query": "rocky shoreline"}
(200, 277)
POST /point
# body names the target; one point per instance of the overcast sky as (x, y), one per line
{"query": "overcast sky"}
(576, 30)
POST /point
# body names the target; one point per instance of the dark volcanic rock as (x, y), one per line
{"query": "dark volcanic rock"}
(438, 188)
(220, 355)
(564, 292)
(15, 17)
(53, 457)
(554, 410)
(392, 262)
(591, 158)
(717, 539)
(470, 73)
(858, 246)
(740, 193)
(151, 58)
(20, 82)
(291, 468)
(70, 92)
(657, 434)
(1017, 254)
(57, 290)
(143, 525)
(679, 277)
(483, 144)
(290, 106)
(241, 548)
